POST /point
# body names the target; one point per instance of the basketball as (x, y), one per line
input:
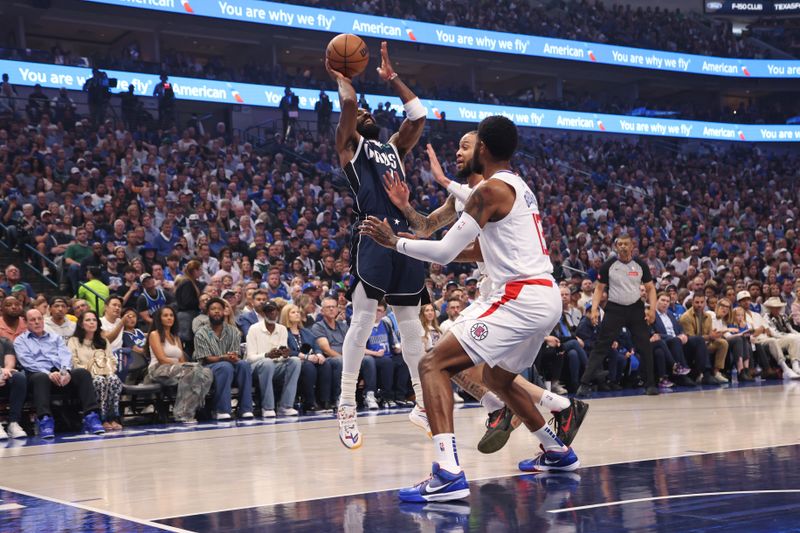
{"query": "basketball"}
(348, 54)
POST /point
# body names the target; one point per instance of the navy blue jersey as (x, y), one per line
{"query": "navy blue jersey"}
(383, 272)
(365, 174)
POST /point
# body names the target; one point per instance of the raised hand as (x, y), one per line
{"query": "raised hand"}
(385, 71)
(380, 231)
(335, 74)
(436, 167)
(396, 189)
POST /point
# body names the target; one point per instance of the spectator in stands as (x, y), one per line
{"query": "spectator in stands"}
(681, 346)
(783, 332)
(737, 334)
(14, 278)
(201, 319)
(91, 352)
(188, 289)
(762, 335)
(430, 324)
(133, 344)
(15, 385)
(75, 253)
(94, 291)
(246, 320)
(382, 346)
(48, 363)
(696, 322)
(316, 371)
(12, 325)
(217, 346)
(270, 358)
(111, 323)
(56, 322)
(329, 334)
(151, 300)
(169, 366)
(453, 310)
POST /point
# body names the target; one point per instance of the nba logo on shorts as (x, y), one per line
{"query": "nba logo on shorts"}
(479, 331)
(441, 446)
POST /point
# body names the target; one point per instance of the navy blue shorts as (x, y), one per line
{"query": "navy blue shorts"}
(386, 273)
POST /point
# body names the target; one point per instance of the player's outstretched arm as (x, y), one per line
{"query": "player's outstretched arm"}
(346, 134)
(412, 127)
(461, 191)
(423, 226)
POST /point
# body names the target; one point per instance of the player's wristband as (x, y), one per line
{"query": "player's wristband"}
(392, 77)
(415, 110)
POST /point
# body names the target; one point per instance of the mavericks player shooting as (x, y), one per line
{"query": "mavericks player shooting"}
(378, 272)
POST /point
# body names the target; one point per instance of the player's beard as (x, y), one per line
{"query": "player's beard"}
(476, 165)
(369, 131)
(465, 172)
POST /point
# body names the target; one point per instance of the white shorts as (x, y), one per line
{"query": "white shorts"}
(508, 328)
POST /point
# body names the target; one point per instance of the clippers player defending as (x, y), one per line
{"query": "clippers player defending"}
(506, 330)
(568, 414)
(378, 272)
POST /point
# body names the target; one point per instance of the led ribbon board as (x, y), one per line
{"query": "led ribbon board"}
(73, 78)
(327, 20)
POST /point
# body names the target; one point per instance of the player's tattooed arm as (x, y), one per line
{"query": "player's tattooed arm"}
(490, 201)
(380, 231)
(474, 389)
(423, 226)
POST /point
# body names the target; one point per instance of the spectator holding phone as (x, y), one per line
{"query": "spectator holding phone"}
(268, 354)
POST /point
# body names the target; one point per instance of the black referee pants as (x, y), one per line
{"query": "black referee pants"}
(616, 317)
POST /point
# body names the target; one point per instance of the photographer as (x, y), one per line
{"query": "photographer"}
(97, 87)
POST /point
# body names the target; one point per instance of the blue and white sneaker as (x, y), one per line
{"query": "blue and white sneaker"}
(551, 461)
(92, 424)
(46, 427)
(441, 486)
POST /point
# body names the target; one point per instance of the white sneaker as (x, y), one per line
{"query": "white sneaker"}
(348, 427)
(287, 411)
(419, 418)
(268, 413)
(3, 434)
(457, 398)
(558, 388)
(796, 366)
(223, 416)
(788, 373)
(717, 375)
(372, 403)
(247, 415)
(15, 431)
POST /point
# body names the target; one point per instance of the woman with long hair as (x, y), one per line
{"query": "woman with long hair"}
(316, 374)
(188, 289)
(92, 352)
(168, 366)
(430, 325)
(724, 320)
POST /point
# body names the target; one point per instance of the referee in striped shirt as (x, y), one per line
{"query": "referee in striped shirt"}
(622, 275)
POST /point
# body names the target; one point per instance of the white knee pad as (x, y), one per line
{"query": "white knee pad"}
(411, 333)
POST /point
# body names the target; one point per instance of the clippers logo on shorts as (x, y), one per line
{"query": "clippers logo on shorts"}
(479, 331)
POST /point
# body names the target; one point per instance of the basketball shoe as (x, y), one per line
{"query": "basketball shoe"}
(441, 486)
(348, 427)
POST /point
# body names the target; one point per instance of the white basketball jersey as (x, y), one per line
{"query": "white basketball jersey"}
(484, 283)
(514, 247)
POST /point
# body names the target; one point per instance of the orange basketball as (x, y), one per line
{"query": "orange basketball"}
(348, 54)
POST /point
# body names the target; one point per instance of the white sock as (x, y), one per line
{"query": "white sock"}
(349, 382)
(549, 439)
(417, 385)
(445, 450)
(553, 402)
(491, 402)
